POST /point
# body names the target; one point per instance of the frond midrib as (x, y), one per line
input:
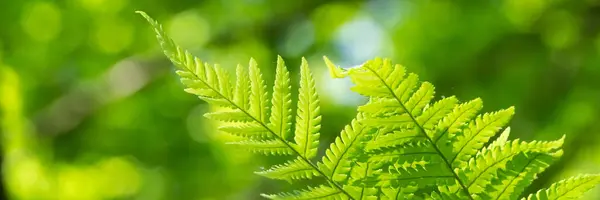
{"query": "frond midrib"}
(308, 113)
(402, 154)
(422, 130)
(335, 184)
(448, 128)
(516, 176)
(489, 167)
(294, 171)
(578, 185)
(323, 196)
(412, 178)
(473, 137)
(344, 153)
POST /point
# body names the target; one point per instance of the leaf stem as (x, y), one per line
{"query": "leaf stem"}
(335, 184)
(422, 130)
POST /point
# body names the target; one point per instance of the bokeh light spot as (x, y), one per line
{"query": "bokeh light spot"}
(9, 90)
(77, 183)
(298, 39)
(360, 40)
(104, 6)
(113, 35)
(41, 21)
(522, 13)
(119, 177)
(189, 29)
(560, 30)
(328, 17)
(29, 177)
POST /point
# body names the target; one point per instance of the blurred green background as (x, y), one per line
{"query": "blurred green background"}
(91, 109)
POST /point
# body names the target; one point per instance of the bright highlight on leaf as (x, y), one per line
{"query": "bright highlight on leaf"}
(403, 143)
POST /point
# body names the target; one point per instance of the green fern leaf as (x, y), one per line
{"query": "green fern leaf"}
(444, 196)
(460, 115)
(258, 94)
(337, 161)
(401, 145)
(380, 107)
(413, 148)
(229, 116)
(321, 193)
(266, 147)
(432, 115)
(426, 170)
(292, 170)
(398, 193)
(571, 188)
(250, 130)
(281, 117)
(483, 167)
(264, 134)
(479, 132)
(501, 140)
(242, 88)
(362, 193)
(519, 173)
(388, 81)
(394, 139)
(308, 118)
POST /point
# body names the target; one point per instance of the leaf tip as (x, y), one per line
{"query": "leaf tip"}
(511, 109)
(252, 63)
(334, 71)
(146, 16)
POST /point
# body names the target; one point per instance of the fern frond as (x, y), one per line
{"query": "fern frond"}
(250, 130)
(460, 115)
(441, 143)
(321, 193)
(401, 145)
(395, 193)
(433, 114)
(483, 167)
(281, 117)
(266, 147)
(444, 196)
(413, 148)
(425, 170)
(308, 118)
(571, 188)
(394, 139)
(501, 140)
(380, 107)
(385, 80)
(337, 161)
(258, 94)
(479, 132)
(229, 115)
(291, 170)
(519, 173)
(242, 88)
(264, 133)
(362, 193)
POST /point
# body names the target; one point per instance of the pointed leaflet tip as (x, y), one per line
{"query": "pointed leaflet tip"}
(562, 139)
(334, 71)
(280, 62)
(146, 16)
(141, 12)
(304, 62)
(252, 62)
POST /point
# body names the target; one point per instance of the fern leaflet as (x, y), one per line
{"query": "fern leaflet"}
(401, 145)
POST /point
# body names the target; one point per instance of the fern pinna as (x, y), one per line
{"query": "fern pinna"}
(401, 145)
